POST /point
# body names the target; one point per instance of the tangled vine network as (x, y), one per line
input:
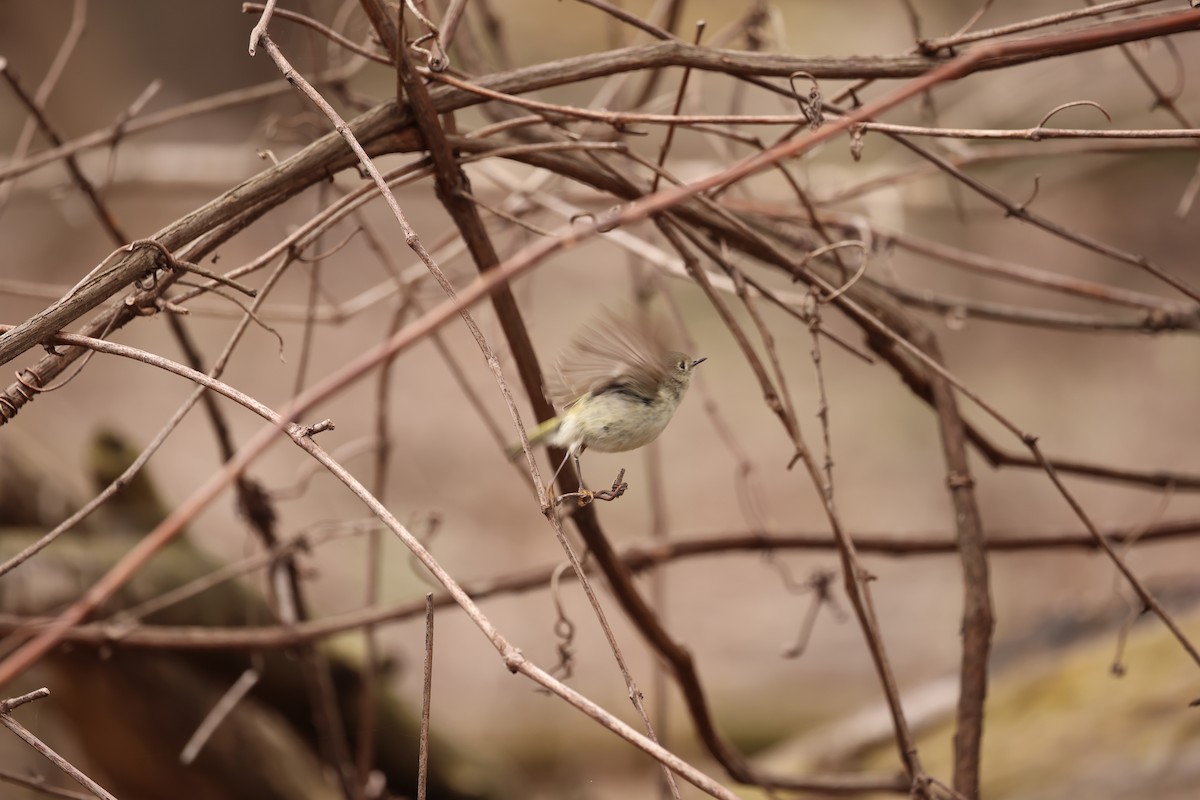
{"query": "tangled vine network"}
(792, 267)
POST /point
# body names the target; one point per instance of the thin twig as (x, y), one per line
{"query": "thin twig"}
(222, 709)
(37, 783)
(324, 30)
(71, 38)
(23, 733)
(637, 559)
(932, 46)
(85, 185)
(426, 697)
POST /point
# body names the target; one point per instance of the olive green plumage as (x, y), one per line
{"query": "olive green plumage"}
(620, 385)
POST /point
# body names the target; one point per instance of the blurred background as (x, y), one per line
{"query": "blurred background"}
(1059, 723)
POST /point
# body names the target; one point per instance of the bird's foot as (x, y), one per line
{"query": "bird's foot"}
(587, 496)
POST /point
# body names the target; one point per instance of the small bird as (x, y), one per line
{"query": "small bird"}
(621, 386)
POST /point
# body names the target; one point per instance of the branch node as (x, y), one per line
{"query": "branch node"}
(514, 659)
(14, 702)
(308, 431)
(960, 480)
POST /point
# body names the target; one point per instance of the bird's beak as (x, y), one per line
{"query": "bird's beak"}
(699, 361)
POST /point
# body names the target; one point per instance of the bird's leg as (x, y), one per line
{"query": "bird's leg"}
(561, 464)
(585, 494)
(578, 469)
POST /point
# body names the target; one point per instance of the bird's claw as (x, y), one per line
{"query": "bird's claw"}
(587, 496)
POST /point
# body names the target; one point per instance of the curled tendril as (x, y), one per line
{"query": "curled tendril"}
(1037, 185)
(1072, 104)
(436, 61)
(29, 383)
(564, 628)
(820, 251)
(810, 106)
(1180, 71)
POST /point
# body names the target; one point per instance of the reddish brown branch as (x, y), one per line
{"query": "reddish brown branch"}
(977, 616)
(328, 154)
(635, 560)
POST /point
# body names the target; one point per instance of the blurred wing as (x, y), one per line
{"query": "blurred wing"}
(614, 350)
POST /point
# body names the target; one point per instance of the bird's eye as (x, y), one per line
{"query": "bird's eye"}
(682, 366)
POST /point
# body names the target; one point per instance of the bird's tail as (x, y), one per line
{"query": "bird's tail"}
(536, 436)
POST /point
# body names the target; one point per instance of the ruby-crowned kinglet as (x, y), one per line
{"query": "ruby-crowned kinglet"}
(621, 386)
